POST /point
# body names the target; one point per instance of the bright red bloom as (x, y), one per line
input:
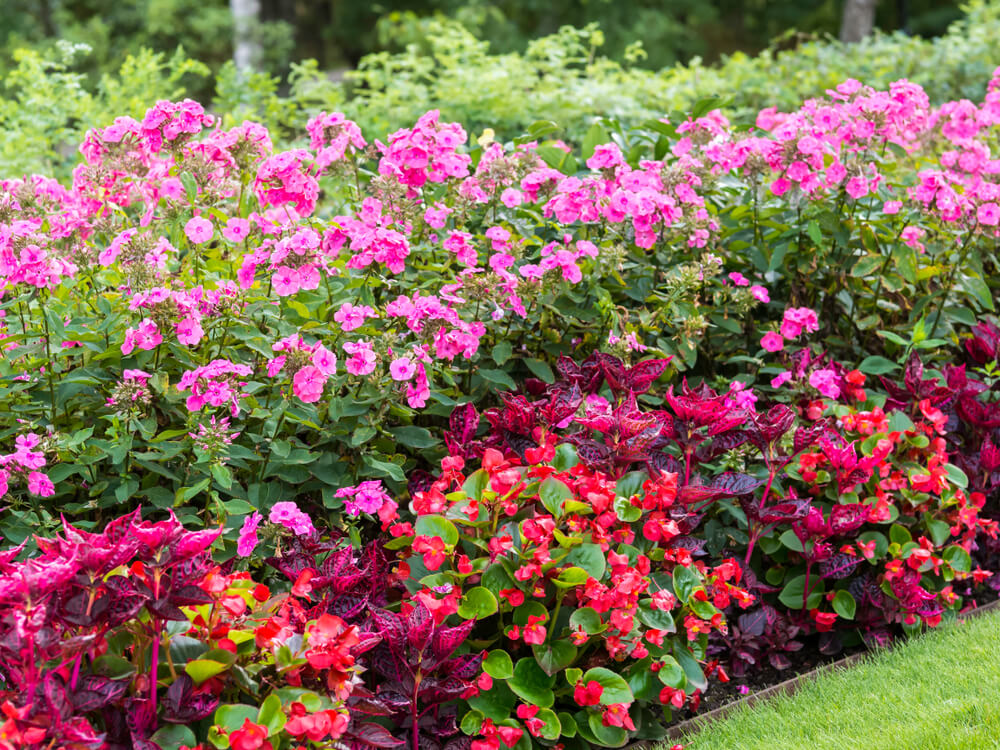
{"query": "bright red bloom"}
(249, 737)
(534, 631)
(589, 694)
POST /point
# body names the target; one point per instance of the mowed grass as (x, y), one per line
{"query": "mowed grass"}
(940, 691)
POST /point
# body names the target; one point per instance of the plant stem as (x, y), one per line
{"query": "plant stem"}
(963, 253)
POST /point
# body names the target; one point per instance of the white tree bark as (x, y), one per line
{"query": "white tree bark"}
(246, 47)
(858, 20)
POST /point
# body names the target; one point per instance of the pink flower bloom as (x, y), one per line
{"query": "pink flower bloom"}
(891, 207)
(245, 276)
(772, 342)
(739, 279)
(285, 281)
(780, 186)
(760, 293)
(857, 187)
(825, 381)
(199, 230)
(308, 384)
(352, 316)
(138, 375)
(402, 369)
(325, 360)
(39, 484)
(288, 515)
(797, 319)
(248, 534)
(511, 197)
(146, 336)
(418, 392)
(236, 230)
(189, 331)
(780, 379)
(988, 214)
(362, 359)
(367, 497)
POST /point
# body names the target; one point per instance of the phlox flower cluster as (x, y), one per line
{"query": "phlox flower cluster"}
(216, 384)
(427, 152)
(288, 515)
(308, 365)
(24, 464)
(368, 497)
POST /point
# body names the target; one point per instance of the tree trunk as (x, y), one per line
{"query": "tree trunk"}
(246, 45)
(858, 20)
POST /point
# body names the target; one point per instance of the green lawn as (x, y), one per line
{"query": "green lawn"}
(940, 691)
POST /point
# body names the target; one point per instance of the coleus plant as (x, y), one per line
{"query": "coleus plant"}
(130, 638)
(591, 613)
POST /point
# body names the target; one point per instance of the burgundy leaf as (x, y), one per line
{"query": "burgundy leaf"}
(785, 512)
(94, 692)
(845, 519)
(840, 565)
(420, 627)
(375, 735)
(720, 444)
(446, 640)
(753, 623)
(639, 378)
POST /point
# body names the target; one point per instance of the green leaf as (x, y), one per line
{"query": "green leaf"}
(626, 511)
(497, 377)
(660, 619)
(899, 534)
(552, 493)
(498, 665)
(692, 669)
(570, 577)
(438, 526)
(794, 591)
(866, 266)
(685, 582)
(478, 602)
(958, 559)
(555, 656)
(271, 715)
(956, 476)
(616, 690)
(531, 684)
(606, 736)
(172, 736)
(497, 702)
(541, 370)
(590, 557)
(905, 258)
(589, 619)
(844, 604)
(232, 715)
(672, 673)
(202, 669)
(502, 352)
(876, 365)
(552, 730)
(565, 458)
(981, 291)
(815, 233)
(414, 437)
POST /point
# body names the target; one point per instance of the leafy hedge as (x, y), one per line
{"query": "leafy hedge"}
(561, 78)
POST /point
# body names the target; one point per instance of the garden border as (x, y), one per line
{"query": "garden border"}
(788, 687)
